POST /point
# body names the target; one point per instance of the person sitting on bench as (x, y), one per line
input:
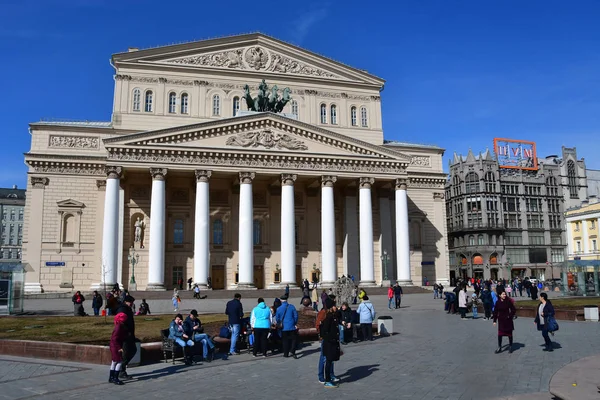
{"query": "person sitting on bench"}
(193, 328)
(177, 333)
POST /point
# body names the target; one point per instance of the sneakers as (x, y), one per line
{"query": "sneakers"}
(335, 379)
(321, 382)
(330, 385)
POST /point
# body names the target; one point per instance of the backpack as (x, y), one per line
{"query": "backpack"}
(224, 332)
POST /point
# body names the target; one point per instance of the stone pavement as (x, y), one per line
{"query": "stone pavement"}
(433, 356)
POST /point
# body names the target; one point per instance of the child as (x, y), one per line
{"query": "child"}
(116, 347)
(475, 299)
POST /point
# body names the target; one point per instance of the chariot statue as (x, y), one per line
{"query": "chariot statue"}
(265, 101)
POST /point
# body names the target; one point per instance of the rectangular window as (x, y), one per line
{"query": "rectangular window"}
(594, 245)
(578, 246)
(555, 238)
(177, 274)
(537, 255)
(12, 215)
(20, 215)
(576, 226)
(557, 255)
(593, 224)
(536, 239)
(517, 256)
(513, 238)
(178, 232)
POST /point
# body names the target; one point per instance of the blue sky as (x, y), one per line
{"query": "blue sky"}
(458, 72)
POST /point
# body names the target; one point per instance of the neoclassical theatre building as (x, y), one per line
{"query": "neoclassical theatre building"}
(187, 183)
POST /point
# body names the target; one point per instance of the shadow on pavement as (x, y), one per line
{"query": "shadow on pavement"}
(357, 373)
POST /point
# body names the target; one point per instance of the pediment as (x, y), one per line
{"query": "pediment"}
(254, 53)
(266, 133)
(70, 203)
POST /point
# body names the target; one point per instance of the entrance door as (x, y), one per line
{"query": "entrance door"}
(494, 274)
(299, 275)
(218, 277)
(478, 274)
(259, 276)
(177, 274)
(452, 278)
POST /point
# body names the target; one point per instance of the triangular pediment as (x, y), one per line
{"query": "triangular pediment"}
(266, 133)
(70, 203)
(252, 53)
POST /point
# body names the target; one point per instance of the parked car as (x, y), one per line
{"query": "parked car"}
(532, 279)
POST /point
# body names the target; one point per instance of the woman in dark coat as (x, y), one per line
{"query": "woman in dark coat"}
(504, 312)
(120, 333)
(544, 311)
(78, 300)
(330, 334)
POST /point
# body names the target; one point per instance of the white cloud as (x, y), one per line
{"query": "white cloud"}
(302, 26)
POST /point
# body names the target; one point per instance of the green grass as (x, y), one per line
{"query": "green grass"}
(568, 303)
(90, 330)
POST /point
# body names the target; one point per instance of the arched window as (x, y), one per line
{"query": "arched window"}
(137, 99)
(494, 258)
(572, 179)
(323, 114)
(334, 114)
(216, 104)
(178, 231)
(472, 183)
(463, 259)
(172, 103)
(148, 107)
(363, 117)
(477, 259)
(68, 233)
(218, 232)
(236, 106)
(489, 176)
(480, 240)
(295, 108)
(256, 232)
(184, 103)
(471, 240)
(353, 116)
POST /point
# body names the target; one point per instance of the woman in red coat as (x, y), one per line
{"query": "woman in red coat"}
(504, 312)
(117, 339)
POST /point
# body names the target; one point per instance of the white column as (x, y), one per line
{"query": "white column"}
(110, 229)
(367, 272)
(201, 229)
(156, 262)
(288, 231)
(246, 249)
(328, 251)
(584, 236)
(571, 248)
(402, 238)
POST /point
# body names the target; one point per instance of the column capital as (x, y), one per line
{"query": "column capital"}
(202, 175)
(158, 174)
(39, 182)
(246, 177)
(328, 180)
(401, 184)
(366, 182)
(113, 172)
(288, 179)
(101, 185)
(438, 196)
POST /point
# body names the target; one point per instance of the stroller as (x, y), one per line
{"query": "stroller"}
(246, 339)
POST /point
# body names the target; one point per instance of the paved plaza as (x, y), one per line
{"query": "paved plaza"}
(433, 355)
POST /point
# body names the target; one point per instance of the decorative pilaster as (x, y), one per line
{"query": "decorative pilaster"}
(202, 229)
(32, 250)
(156, 262)
(328, 250)
(110, 230)
(39, 182)
(402, 233)
(288, 236)
(246, 219)
(367, 271)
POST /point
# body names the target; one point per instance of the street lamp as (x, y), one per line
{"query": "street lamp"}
(133, 258)
(385, 258)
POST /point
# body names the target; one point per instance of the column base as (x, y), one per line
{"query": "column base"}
(407, 282)
(387, 283)
(155, 287)
(368, 284)
(33, 288)
(245, 286)
(132, 287)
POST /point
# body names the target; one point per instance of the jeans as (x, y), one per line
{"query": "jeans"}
(322, 362)
(398, 300)
(435, 293)
(390, 301)
(528, 292)
(474, 312)
(206, 343)
(183, 342)
(546, 337)
(315, 306)
(235, 334)
(96, 311)
(341, 329)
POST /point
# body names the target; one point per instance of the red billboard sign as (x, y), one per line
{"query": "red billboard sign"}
(516, 154)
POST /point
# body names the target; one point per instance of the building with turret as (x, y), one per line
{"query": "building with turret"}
(506, 221)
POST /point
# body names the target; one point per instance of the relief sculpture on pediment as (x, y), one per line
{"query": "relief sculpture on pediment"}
(267, 139)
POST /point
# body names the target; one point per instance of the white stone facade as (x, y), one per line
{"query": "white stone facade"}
(244, 199)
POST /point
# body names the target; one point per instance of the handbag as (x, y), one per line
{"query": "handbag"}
(552, 324)
(279, 325)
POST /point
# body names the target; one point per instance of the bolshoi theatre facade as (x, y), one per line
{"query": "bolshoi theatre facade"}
(187, 181)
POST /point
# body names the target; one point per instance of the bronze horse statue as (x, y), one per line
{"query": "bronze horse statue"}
(264, 102)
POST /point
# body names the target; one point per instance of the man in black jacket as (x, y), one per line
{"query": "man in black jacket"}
(129, 347)
(235, 313)
(193, 328)
(398, 294)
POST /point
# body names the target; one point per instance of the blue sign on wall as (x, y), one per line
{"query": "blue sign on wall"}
(55, 264)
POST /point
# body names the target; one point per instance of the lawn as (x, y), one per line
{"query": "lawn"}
(564, 304)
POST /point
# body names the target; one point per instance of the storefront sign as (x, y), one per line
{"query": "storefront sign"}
(516, 154)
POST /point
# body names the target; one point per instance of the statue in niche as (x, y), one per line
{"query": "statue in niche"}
(139, 231)
(265, 101)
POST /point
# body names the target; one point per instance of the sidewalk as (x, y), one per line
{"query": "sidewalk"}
(578, 380)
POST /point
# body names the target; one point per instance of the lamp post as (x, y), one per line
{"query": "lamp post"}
(384, 259)
(133, 258)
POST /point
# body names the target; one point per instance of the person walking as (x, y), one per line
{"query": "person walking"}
(235, 313)
(504, 312)
(462, 302)
(287, 290)
(117, 340)
(543, 318)
(435, 290)
(261, 320)
(129, 347)
(390, 296)
(97, 302)
(329, 334)
(534, 292)
(287, 321)
(366, 311)
(175, 299)
(488, 302)
(398, 294)
(189, 282)
(314, 297)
